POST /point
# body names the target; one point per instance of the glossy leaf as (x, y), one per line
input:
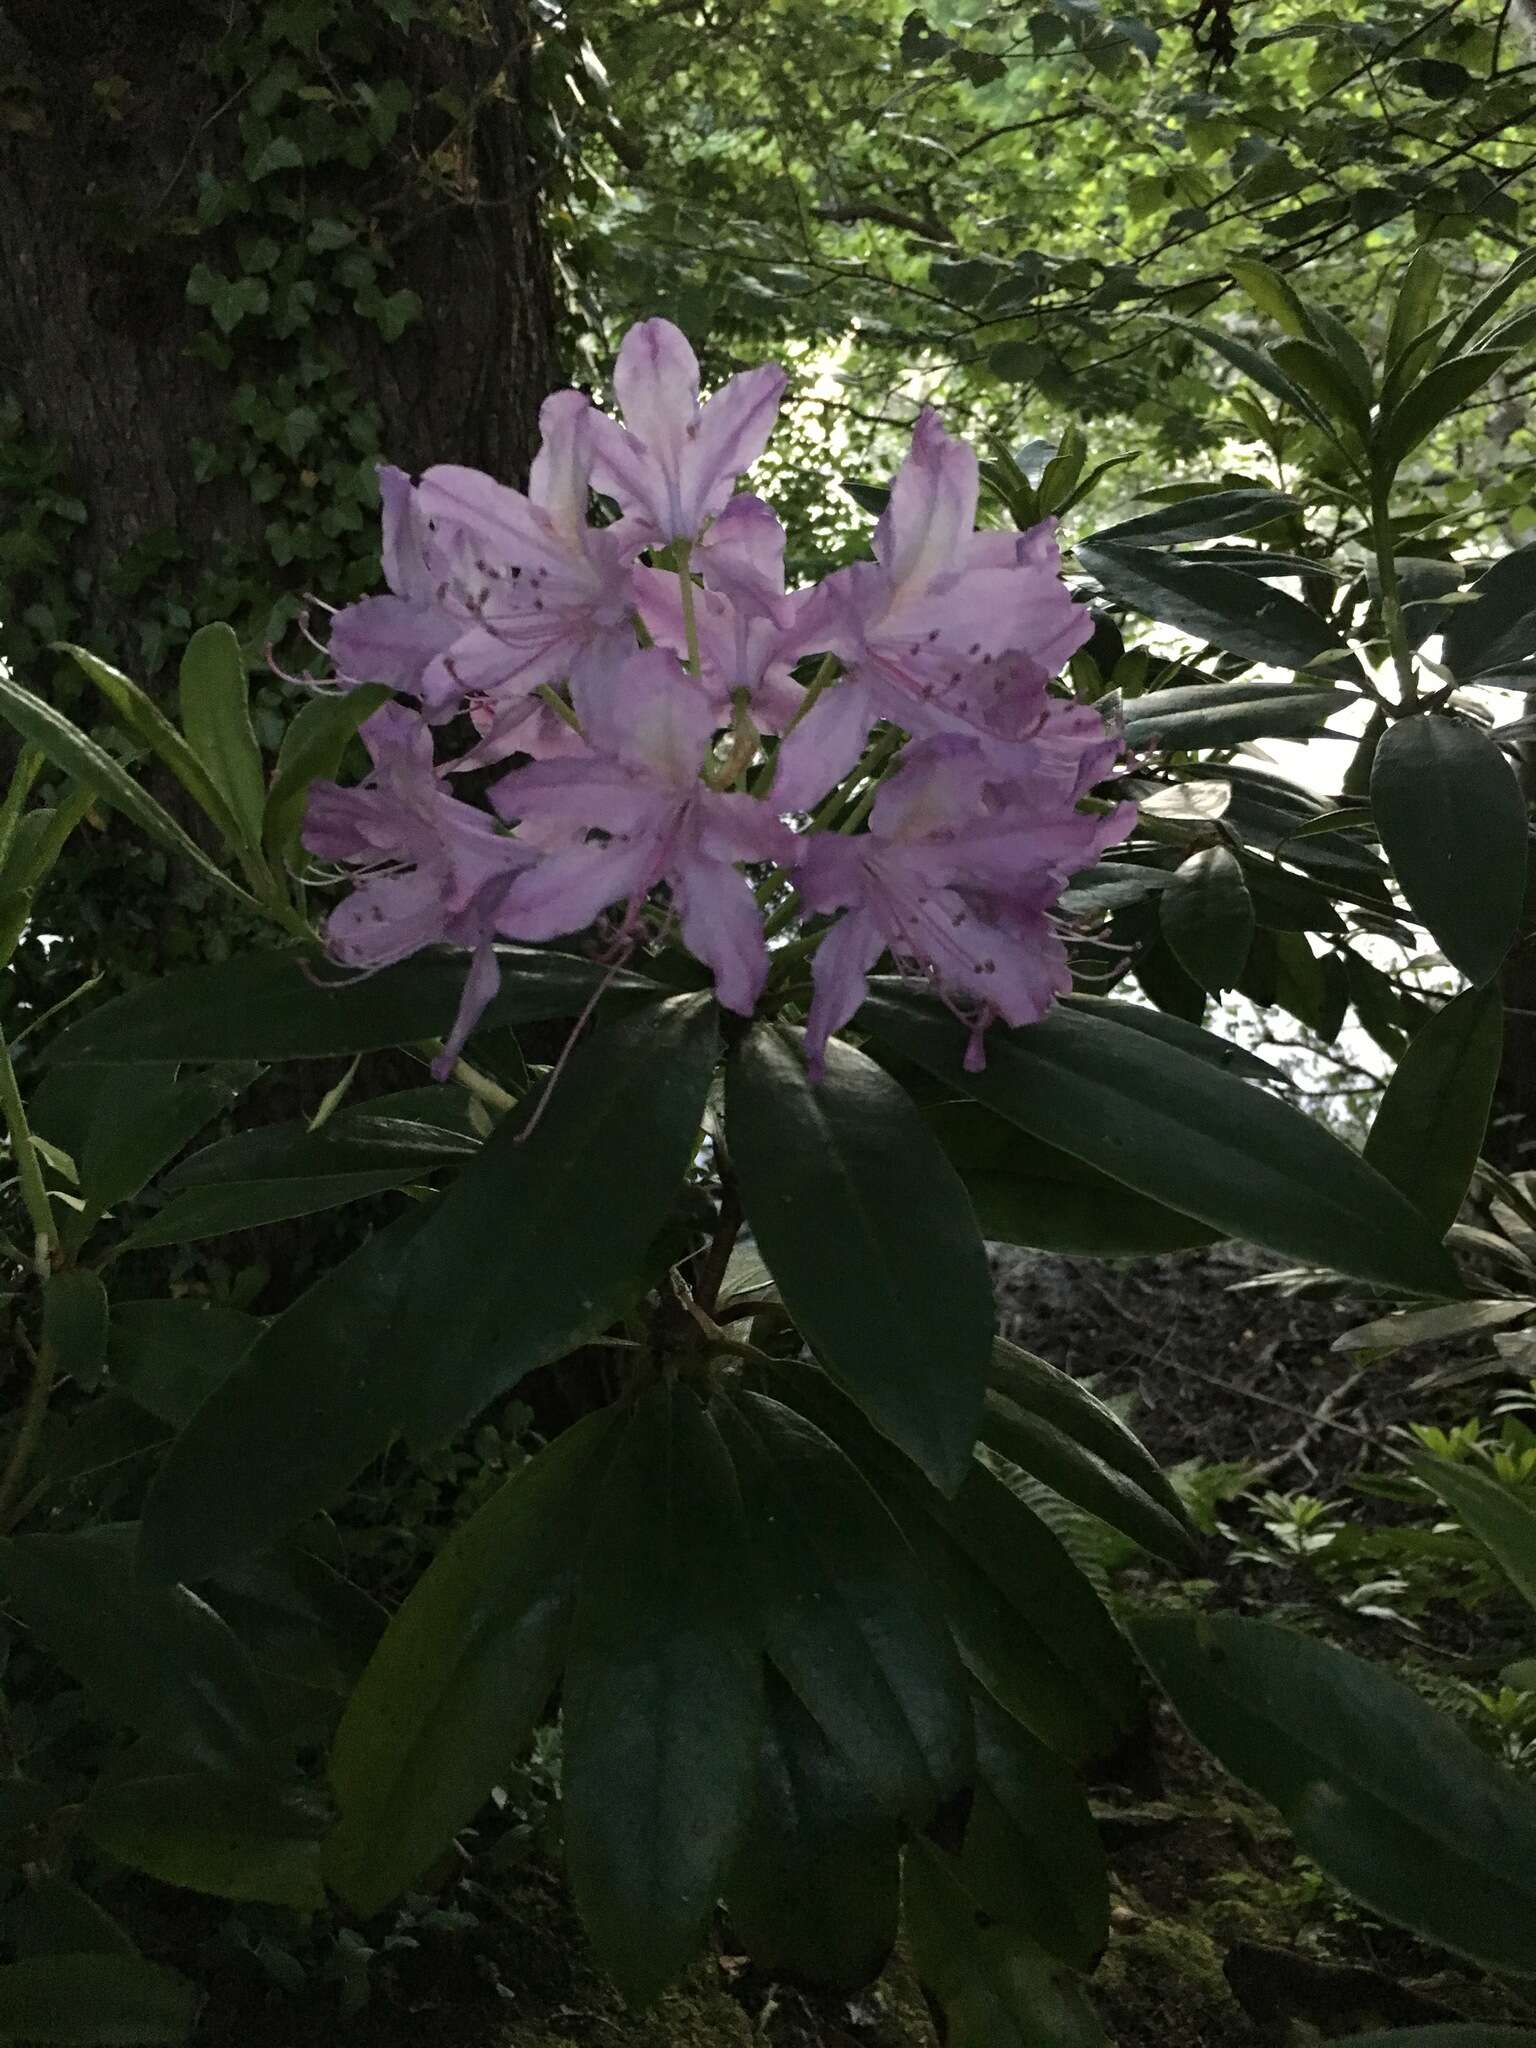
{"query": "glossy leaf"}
(216, 718)
(279, 1006)
(1497, 629)
(205, 1212)
(141, 1121)
(94, 2001)
(75, 1317)
(542, 1239)
(156, 1659)
(814, 1891)
(1492, 1510)
(80, 756)
(1192, 715)
(462, 1673)
(236, 1837)
(997, 1988)
(1437, 395)
(1452, 821)
(1219, 606)
(663, 1695)
(1392, 1798)
(848, 1619)
(1189, 1136)
(1032, 1854)
(1205, 517)
(359, 1141)
(1194, 1039)
(142, 717)
(868, 1231)
(1417, 297)
(1429, 1126)
(1110, 885)
(1207, 917)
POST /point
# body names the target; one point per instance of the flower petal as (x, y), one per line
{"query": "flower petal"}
(839, 973)
(932, 510)
(723, 927)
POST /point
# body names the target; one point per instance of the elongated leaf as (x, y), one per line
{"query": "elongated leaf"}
(1490, 1509)
(1431, 1325)
(663, 1695)
(1032, 1855)
(280, 1006)
(1452, 821)
(55, 1918)
(94, 2001)
(359, 1141)
(1471, 2034)
(536, 1245)
(170, 1355)
(1050, 1455)
(1417, 297)
(848, 1619)
(1488, 303)
(80, 756)
(1222, 714)
(1220, 606)
(1207, 918)
(1259, 369)
(1043, 1390)
(997, 1988)
(1434, 398)
(1393, 1799)
(813, 1838)
(869, 1234)
(75, 1319)
(207, 1212)
(1110, 885)
(462, 1674)
(237, 1837)
(143, 718)
(156, 1659)
(1498, 630)
(541, 1241)
(1326, 380)
(1185, 1134)
(1206, 517)
(1429, 1125)
(1194, 1039)
(140, 1122)
(216, 717)
(312, 749)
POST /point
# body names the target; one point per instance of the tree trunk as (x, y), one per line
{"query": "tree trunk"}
(245, 251)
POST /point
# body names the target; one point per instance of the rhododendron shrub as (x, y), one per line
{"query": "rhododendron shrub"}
(766, 944)
(671, 753)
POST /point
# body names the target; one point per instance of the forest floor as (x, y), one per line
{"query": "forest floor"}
(1221, 1934)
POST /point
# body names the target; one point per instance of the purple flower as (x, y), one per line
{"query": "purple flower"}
(749, 632)
(673, 461)
(496, 592)
(956, 878)
(427, 868)
(639, 790)
(947, 630)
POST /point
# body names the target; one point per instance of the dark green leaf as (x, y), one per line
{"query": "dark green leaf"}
(663, 1695)
(1491, 301)
(1176, 1129)
(1452, 820)
(75, 1323)
(1258, 367)
(869, 1234)
(1445, 389)
(997, 1988)
(1110, 886)
(55, 1918)
(216, 718)
(143, 718)
(1220, 606)
(1473, 2034)
(1491, 1509)
(1393, 1799)
(170, 1355)
(462, 1674)
(140, 1122)
(1207, 918)
(1417, 297)
(1428, 1129)
(94, 2001)
(1206, 517)
(1326, 380)
(80, 756)
(237, 1837)
(312, 749)
(1205, 1045)
(246, 1205)
(1164, 982)
(848, 1619)
(1032, 1855)
(359, 1141)
(271, 1006)
(1498, 630)
(1221, 714)
(813, 1841)
(156, 1659)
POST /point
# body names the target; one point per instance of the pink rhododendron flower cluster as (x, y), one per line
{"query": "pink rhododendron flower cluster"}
(921, 796)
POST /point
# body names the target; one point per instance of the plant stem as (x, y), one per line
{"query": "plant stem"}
(717, 1257)
(45, 1365)
(1391, 607)
(690, 619)
(29, 1169)
(28, 765)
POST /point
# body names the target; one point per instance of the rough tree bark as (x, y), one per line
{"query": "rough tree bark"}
(109, 112)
